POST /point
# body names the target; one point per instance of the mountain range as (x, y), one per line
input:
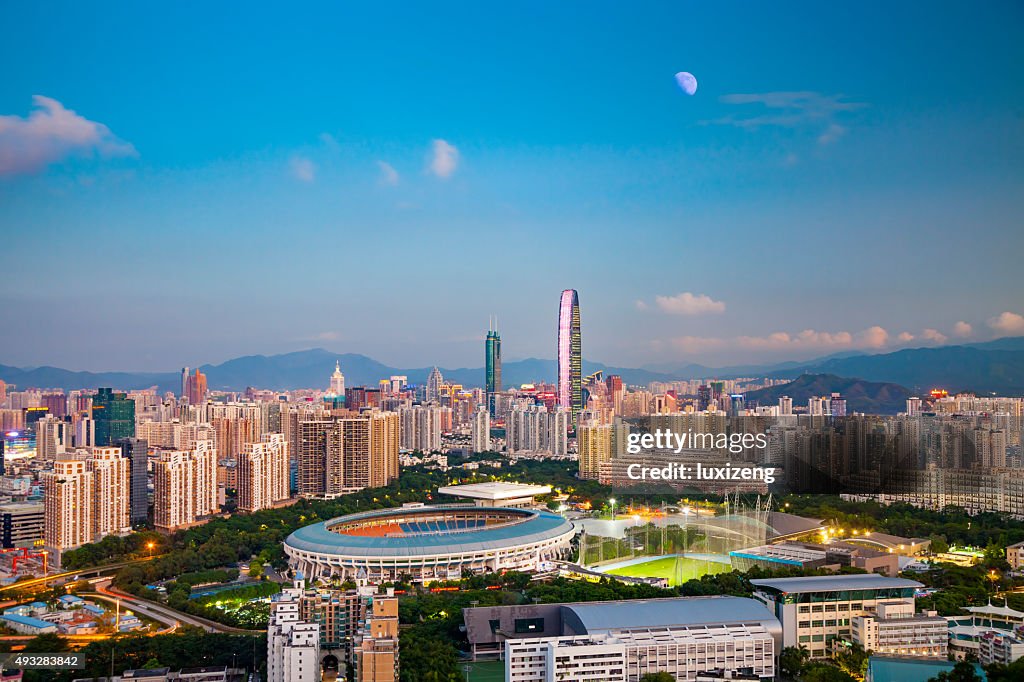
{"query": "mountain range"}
(869, 397)
(995, 366)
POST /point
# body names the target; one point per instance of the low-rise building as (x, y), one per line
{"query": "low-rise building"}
(623, 640)
(893, 628)
(1015, 555)
(816, 610)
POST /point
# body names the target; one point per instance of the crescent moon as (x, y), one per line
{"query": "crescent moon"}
(686, 82)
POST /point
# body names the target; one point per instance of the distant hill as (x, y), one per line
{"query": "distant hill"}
(869, 397)
(955, 368)
(994, 366)
(55, 377)
(303, 369)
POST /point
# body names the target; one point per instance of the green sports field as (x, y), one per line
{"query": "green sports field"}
(676, 570)
(486, 671)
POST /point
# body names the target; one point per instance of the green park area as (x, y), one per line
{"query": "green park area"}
(677, 570)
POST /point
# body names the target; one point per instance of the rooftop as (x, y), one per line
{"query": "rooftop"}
(536, 526)
(495, 490)
(835, 583)
(642, 614)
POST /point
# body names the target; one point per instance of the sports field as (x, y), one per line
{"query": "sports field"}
(486, 671)
(676, 570)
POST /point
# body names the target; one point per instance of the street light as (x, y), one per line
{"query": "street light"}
(150, 545)
(612, 501)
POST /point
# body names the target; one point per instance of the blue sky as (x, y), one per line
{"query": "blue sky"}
(381, 179)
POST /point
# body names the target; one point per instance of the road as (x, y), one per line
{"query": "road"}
(84, 573)
(165, 614)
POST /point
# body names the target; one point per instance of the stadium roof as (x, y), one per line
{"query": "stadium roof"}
(835, 583)
(495, 490)
(536, 526)
(641, 614)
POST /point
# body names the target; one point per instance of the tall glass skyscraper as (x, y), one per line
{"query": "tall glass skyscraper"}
(492, 371)
(114, 416)
(570, 354)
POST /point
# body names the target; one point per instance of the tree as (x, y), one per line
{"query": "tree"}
(46, 643)
(256, 570)
(792, 660)
(963, 671)
(825, 672)
(853, 659)
(151, 664)
(661, 676)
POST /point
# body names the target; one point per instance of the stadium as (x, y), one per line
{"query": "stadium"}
(428, 543)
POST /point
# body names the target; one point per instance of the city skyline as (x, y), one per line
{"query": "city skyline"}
(789, 208)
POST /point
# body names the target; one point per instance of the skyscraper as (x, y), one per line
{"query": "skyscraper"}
(136, 451)
(570, 354)
(114, 414)
(195, 388)
(492, 371)
(337, 381)
(434, 383)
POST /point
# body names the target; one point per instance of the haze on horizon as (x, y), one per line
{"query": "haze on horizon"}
(381, 182)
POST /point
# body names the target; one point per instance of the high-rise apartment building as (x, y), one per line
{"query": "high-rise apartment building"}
(376, 650)
(263, 473)
(570, 354)
(532, 428)
(53, 437)
(184, 486)
(339, 455)
(595, 447)
(68, 499)
(492, 368)
(114, 414)
(85, 433)
(293, 646)
(111, 491)
(421, 427)
(481, 433)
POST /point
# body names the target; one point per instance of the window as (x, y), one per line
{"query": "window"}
(524, 625)
(495, 625)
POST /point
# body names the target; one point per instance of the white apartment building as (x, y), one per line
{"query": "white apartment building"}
(184, 486)
(818, 609)
(894, 629)
(263, 473)
(111, 491)
(481, 435)
(293, 646)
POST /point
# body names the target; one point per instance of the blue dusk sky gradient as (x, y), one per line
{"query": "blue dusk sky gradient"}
(380, 178)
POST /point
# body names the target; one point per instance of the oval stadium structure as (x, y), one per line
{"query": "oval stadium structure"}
(428, 543)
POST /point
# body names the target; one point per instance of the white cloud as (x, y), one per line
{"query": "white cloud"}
(962, 329)
(807, 340)
(641, 305)
(873, 337)
(388, 174)
(302, 169)
(444, 159)
(831, 134)
(934, 335)
(905, 337)
(329, 141)
(1007, 323)
(689, 304)
(51, 133)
